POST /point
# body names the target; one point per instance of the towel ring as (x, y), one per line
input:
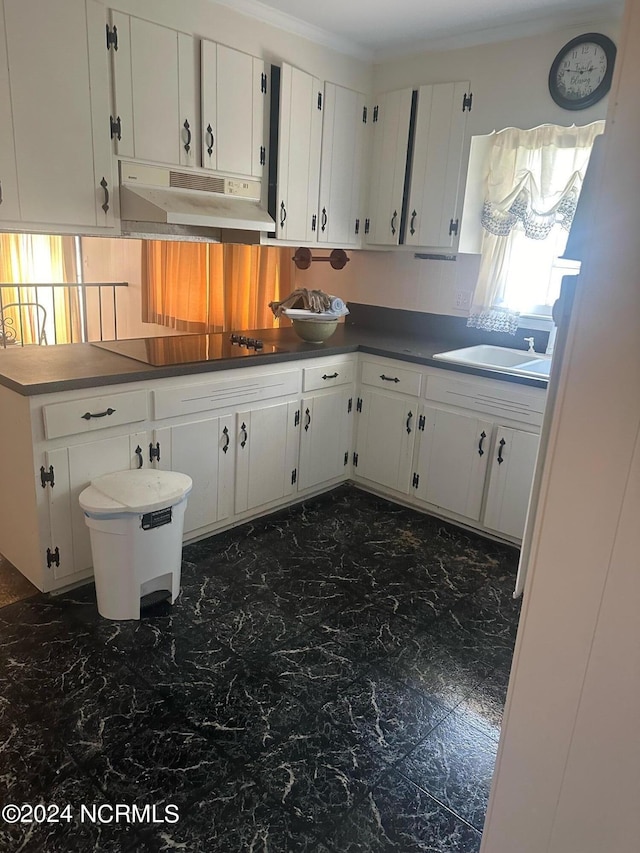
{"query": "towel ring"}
(303, 258)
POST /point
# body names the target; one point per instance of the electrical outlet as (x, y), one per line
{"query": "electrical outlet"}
(462, 300)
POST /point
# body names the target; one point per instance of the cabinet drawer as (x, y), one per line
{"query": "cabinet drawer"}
(316, 378)
(391, 378)
(223, 393)
(502, 400)
(90, 413)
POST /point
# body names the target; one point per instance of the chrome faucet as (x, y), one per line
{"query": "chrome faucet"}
(531, 342)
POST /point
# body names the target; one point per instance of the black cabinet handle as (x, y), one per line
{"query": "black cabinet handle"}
(243, 429)
(105, 187)
(323, 224)
(500, 456)
(225, 432)
(308, 423)
(483, 435)
(138, 452)
(187, 145)
(88, 415)
(409, 416)
(412, 230)
(330, 375)
(208, 134)
(389, 378)
(393, 222)
(154, 452)
(283, 214)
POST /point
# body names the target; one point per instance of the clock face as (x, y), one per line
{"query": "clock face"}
(581, 73)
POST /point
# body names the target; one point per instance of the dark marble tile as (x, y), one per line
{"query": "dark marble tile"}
(384, 715)
(484, 705)
(455, 765)
(191, 665)
(398, 816)
(207, 594)
(367, 632)
(309, 600)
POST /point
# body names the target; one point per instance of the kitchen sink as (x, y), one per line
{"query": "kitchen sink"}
(501, 359)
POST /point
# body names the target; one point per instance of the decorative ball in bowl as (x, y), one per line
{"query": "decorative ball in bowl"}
(314, 331)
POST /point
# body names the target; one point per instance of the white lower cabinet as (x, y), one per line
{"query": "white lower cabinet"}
(266, 439)
(203, 450)
(451, 461)
(385, 439)
(325, 437)
(65, 472)
(510, 478)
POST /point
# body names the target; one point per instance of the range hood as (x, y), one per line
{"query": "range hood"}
(161, 203)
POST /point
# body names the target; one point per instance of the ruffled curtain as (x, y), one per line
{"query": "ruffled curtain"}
(533, 182)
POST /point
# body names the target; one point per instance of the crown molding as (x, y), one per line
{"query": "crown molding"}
(291, 24)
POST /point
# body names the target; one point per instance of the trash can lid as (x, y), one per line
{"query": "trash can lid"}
(135, 491)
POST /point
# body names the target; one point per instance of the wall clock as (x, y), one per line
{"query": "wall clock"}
(581, 72)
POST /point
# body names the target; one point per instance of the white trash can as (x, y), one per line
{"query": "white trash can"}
(135, 520)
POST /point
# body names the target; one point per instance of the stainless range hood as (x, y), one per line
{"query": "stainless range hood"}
(161, 203)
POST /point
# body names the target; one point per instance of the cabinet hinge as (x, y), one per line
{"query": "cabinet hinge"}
(350, 404)
(355, 460)
(154, 452)
(466, 101)
(319, 100)
(421, 422)
(112, 37)
(47, 477)
(415, 481)
(53, 557)
(346, 458)
(359, 404)
(375, 114)
(294, 476)
(367, 224)
(357, 226)
(314, 222)
(364, 115)
(453, 227)
(116, 127)
(263, 155)
(263, 83)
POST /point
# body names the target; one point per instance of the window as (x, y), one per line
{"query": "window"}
(531, 184)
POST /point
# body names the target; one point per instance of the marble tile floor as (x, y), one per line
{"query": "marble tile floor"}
(331, 679)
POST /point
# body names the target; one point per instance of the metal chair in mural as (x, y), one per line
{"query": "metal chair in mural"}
(16, 317)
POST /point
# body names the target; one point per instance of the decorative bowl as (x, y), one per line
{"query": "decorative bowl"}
(314, 331)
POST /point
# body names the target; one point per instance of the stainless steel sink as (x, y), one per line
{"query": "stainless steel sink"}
(501, 359)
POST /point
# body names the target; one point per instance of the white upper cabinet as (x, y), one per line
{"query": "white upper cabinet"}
(391, 119)
(432, 214)
(59, 85)
(9, 205)
(155, 103)
(234, 92)
(339, 217)
(297, 109)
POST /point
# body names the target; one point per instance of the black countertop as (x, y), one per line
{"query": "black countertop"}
(43, 370)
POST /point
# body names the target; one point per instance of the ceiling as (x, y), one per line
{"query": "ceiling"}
(377, 29)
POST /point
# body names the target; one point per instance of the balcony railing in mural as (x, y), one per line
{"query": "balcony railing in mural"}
(48, 314)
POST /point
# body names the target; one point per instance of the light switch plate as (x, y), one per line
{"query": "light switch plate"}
(462, 299)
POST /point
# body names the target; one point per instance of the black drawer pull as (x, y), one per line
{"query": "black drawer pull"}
(243, 429)
(502, 443)
(389, 378)
(138, 452)
(209, 136)
(88, 415)
(409, 416)
(225, 432)
(187, 144)
(308, 423)
(483, 435)
(330, 375)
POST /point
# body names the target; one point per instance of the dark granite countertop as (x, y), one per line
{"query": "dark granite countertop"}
(42, 370)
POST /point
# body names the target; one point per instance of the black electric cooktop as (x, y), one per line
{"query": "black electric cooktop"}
(182, 349)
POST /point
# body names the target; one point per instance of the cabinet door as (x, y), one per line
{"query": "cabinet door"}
(233, 94)
(435, 173)
(75, 467)
(510, 479)
(9, 205)
(325, 438)
(266, 453)
(58, 70)
(385, 436)
(452, 461)
(391, 117)
(340, 166)
(202, 450)
(299, 141)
